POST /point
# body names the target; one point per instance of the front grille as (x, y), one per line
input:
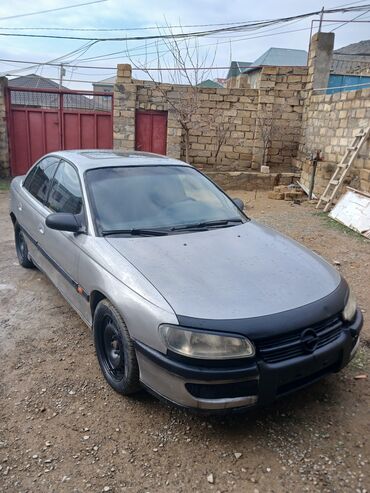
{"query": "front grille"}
(287, 346)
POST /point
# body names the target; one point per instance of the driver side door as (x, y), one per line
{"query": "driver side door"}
(61, 247)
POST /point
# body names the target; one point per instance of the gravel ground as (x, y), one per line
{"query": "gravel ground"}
(62, 429)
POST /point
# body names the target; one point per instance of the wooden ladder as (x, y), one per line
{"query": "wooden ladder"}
(342, 168)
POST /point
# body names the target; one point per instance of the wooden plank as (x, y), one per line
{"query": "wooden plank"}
(351, 153)
(353, 210)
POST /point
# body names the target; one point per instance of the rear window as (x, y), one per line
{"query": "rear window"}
(38, 180)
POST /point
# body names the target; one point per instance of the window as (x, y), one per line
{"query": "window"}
(65, 192)
(37, 181)
(155, 197)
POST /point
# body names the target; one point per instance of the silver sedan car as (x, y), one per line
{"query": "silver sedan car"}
(186, 296)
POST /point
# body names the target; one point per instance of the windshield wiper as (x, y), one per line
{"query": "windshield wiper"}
(209, 224)
(134, 232)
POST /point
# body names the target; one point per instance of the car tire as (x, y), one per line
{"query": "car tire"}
(21, 248)
(115, 349)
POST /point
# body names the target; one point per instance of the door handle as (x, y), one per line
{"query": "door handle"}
(20, 207)
(41, 229)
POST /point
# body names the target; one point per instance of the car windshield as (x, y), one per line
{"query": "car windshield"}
(158, 199)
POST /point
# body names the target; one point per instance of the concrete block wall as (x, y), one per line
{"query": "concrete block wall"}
(238, 109)
(281, 97)
(330, 124)
(237, 106)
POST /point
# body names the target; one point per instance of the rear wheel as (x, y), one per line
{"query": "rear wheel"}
(21, 248)
(115, 349)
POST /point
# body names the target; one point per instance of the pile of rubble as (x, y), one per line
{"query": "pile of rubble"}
(287, 192)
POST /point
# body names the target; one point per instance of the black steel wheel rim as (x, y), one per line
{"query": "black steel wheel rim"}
(112, 349)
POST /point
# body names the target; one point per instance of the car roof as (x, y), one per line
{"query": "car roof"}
(86, 159)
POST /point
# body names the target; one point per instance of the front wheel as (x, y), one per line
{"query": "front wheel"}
(21, 248)
(115, 350)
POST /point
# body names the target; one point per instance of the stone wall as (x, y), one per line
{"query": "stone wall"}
(4, 149)
(281, 96)
(235, 112)
(214, 106)
(228, 111)
(330, 123)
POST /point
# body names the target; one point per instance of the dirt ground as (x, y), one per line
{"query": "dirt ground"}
(63, 429)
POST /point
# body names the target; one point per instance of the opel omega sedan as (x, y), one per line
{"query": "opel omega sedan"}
(186, 296)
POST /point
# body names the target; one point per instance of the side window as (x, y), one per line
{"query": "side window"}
(38, 180)
(65, 192)
(28, 179)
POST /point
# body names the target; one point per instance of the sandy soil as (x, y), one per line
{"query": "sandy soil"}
(63, 429)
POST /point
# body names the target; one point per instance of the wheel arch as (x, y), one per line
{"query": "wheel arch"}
(13, 218)
(95, 297)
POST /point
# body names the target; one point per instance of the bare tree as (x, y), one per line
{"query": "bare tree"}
(220, 125)
(265, 127)
(190, 68)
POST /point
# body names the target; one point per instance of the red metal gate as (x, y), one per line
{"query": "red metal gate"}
(151, 131)
(44, 120)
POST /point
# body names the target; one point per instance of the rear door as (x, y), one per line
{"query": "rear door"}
(30, 206)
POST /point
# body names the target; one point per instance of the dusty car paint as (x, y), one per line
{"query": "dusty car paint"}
(206, 280)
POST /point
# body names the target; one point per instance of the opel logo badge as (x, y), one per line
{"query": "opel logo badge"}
(309, 340)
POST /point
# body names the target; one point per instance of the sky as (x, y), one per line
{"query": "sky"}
(119, 14)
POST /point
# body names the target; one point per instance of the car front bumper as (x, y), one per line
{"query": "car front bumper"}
(215, 389)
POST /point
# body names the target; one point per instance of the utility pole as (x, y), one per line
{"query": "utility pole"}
(62, 73)
(321, 19)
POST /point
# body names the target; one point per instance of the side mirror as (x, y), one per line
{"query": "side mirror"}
(64, 221)
(239, 203)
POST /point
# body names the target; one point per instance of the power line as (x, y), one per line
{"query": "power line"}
(235, 28)
(39, 12)
(58, 59)
(233, 40)
(109, 29)
(360, 85)
(142, 69)
(351, 20)
(67, 65)
(127, 51)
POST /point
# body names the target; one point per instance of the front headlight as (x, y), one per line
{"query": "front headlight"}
(350, 309)
(204, 346)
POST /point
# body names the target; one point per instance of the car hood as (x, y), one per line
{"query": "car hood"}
(238, 272)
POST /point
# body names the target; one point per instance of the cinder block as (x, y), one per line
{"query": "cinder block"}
(365, 175)
(293, 195)
(265, 169)
(281, 188)
(276, 195)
